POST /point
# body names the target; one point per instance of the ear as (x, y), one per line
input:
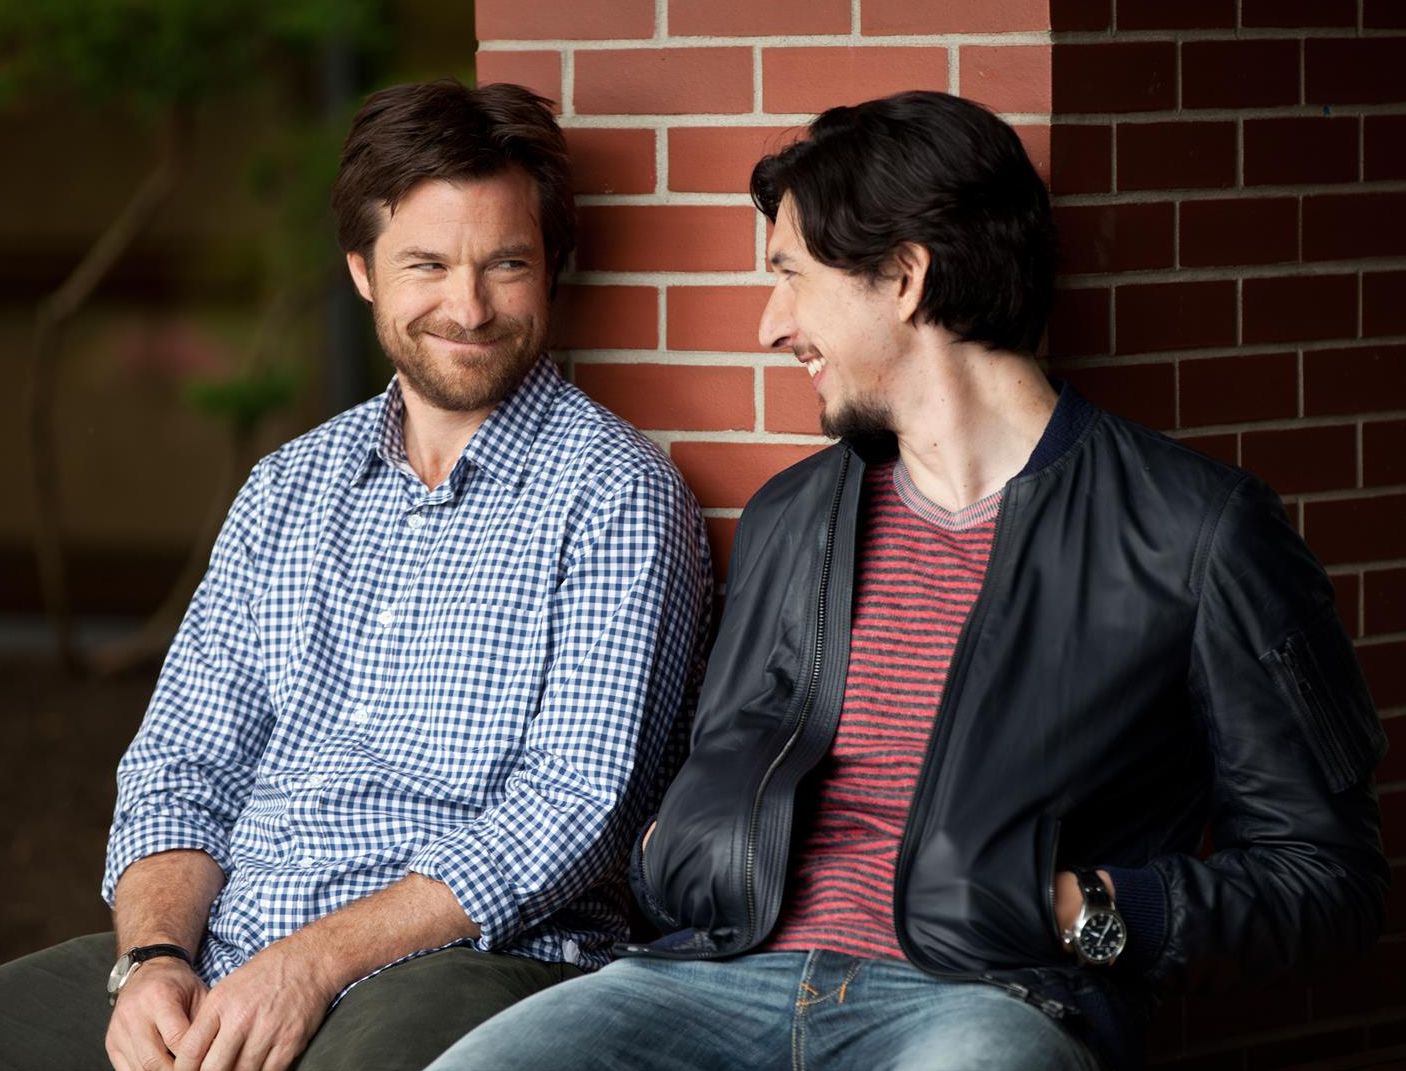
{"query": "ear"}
(910, 263)
(361, 274)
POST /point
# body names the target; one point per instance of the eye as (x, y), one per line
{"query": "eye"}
(513, 265)
(427, 265)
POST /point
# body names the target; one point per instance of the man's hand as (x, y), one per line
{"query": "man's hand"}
(153, 1014)
(260, 1016)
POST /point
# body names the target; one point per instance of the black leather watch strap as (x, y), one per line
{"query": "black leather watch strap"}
(1093, 888)
(142, 953)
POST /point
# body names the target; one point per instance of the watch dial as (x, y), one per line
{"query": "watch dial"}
(1102, 937)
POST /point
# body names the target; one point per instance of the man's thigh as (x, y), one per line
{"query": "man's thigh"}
(892, 1017)
(410, 1013)
(640, 1013)
(53, 1007)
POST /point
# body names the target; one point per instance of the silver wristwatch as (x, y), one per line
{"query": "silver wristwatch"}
(1099, 934)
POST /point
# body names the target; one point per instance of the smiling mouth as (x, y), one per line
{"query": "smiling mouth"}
(813, 365)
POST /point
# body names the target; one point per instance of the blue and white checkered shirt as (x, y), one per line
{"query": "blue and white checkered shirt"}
(475, 683)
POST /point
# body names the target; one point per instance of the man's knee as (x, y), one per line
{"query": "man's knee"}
(53, 1005)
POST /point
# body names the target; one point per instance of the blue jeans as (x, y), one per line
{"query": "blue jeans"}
(788, 1011)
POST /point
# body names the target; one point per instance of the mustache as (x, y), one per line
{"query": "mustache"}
(456, 332)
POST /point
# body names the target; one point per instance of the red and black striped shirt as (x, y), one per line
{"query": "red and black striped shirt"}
(918, 572)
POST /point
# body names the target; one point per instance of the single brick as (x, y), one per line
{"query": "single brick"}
(1355, 225)
(1035, 137)
(1182, 15)
(513, 20)
(1180, 155)
(1384, 609)
(666, 238)
(1359, 379)
(1006, 78)
(719, 159)
(1356, 529)
(1384, 666)
(1142, 392)
(1112, 238)
(1296, 14)
(1296, 308)
(1071, 15)
(538, 71)
(1383, 452)
(611, 161)
(663, 81)
(742, 18)
(879, 17)
(1242, 231)
(1081, 158)
(1354, 70)
(1298, 460)
(812, 79)
(606, 318)
(715, 318)
(792, 406)
(1383, 15)
(673, 397)
(726, 475)
(1119, 76)
(1301, 149)
(1383, 303)
(1239, 74)
(1079, 322)
(1174, 316)
(1384, 147)
(1238, 389)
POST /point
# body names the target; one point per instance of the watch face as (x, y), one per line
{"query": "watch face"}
(1102, 937)
(119, 973)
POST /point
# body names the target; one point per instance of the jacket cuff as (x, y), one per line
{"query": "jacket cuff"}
(1141, 898)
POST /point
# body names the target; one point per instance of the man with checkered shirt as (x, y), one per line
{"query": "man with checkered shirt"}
(426, 692)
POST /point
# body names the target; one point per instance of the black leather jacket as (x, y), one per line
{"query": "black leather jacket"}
(1154, 649)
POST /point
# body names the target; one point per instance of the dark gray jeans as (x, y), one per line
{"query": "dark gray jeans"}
(54, 1012)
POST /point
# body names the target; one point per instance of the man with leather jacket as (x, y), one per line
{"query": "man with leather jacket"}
(990, 668)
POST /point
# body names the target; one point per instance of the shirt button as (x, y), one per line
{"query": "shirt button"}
(415, 521)
(386, 618)
(361, 715)
(317, 780)
(306, 860)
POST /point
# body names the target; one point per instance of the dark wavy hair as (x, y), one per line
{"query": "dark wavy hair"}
(938, 171)
(407, 134)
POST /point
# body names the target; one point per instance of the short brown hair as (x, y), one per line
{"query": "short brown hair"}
(407, 134)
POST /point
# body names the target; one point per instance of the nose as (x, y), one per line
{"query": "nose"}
(777, 327)
(468, 299)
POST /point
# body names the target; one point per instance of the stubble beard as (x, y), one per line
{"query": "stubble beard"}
(858, 417)
(467, 383)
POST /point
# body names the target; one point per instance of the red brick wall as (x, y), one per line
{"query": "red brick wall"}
(1230, 180)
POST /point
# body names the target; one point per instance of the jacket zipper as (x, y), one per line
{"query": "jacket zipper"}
(749, 884)
(1288, 657)
(936, 749)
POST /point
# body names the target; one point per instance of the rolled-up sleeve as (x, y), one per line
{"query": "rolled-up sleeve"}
(188, 772)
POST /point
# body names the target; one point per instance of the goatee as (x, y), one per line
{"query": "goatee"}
(468, 382)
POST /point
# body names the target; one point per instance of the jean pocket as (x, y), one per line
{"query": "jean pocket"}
(1318, 674)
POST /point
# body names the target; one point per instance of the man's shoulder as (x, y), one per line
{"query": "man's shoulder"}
(322, 450)
(580, 436)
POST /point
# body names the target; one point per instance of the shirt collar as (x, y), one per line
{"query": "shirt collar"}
(499, 447)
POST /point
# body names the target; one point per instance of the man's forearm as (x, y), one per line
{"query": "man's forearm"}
(165, 899)
(414, 914)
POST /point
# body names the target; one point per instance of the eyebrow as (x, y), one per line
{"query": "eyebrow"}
(415, 256)
(780, 259)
